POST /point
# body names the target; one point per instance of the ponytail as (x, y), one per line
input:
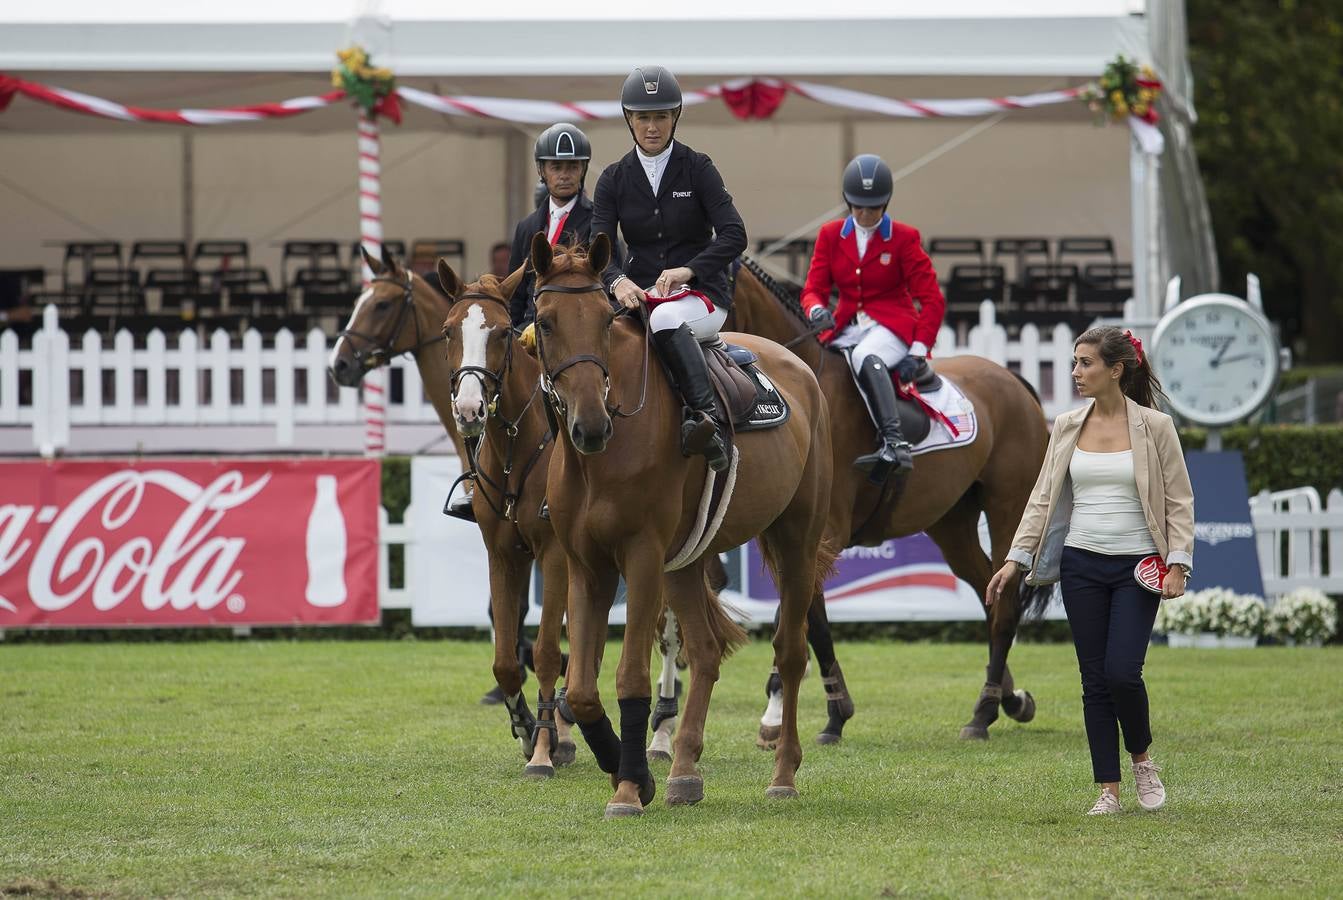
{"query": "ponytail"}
(1138, 380)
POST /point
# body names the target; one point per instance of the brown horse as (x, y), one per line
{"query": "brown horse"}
(495, 396)
(944, 495)
(402, 313)
(624, 500)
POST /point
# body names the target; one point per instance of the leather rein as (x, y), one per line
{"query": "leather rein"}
(378, 353)
(548, 374)
(506, 507)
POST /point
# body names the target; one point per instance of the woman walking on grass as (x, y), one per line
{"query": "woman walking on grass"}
(1113, 490)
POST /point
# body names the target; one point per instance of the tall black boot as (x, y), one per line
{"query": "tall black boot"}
(699, 433)
(893, 454)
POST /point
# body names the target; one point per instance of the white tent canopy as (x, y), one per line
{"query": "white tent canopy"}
(1041, 171)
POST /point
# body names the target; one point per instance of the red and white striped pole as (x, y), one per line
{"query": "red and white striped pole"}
(370, 235)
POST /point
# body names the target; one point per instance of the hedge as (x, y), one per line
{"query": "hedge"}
(1278, 457)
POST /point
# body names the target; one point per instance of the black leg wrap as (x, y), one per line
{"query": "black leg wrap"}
(522, 724)
(562, 706)
(603, 743)
(633, 736)
(775, 683)
(545, 723)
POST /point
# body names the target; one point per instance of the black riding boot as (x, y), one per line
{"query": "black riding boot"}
(699, 433)
(893, 454)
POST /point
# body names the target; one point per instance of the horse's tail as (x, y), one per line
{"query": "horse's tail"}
(1035, 395)
(1032, 599)
(726, 630)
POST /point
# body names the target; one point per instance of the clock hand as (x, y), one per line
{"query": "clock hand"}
(1237, 358)
(1216, 360)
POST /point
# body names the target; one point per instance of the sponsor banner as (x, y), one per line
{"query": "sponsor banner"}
(1225, 551)
(164, 543)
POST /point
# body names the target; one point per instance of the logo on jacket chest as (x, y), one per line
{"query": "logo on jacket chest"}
(679, 194)
(885, 259)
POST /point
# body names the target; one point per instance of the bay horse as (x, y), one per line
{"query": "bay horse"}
(943, 495)
(624, 499)
(401, 313)
(495, 389)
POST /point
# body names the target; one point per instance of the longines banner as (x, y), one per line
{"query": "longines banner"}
(188, 542)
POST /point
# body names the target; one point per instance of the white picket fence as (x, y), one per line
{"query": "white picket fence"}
(1300, 540)
(84, 381)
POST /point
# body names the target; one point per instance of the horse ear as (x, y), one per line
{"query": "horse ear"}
(542, 254)
(599, 253)
(388, 260)
(510, 284)
(447, 279)
(374, 265)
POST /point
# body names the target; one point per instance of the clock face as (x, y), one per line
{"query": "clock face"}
(1217, 359)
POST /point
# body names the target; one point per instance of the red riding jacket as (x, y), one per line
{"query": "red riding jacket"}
(884, 283)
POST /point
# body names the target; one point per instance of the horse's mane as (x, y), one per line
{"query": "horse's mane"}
(569, 258)
(788, 297)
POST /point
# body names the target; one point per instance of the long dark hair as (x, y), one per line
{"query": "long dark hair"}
(1138, 381)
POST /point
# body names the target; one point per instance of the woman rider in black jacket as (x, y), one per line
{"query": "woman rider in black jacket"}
(682, 231)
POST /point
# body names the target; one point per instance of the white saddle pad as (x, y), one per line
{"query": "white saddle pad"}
(951, 401)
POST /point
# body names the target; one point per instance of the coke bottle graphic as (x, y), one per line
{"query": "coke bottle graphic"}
(326, 547)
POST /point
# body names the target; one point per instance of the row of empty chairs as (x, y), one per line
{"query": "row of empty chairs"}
(217, 277)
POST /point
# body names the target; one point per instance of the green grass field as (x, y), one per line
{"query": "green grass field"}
(367, 768)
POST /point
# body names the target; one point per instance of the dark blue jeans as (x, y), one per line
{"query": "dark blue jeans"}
(1111, 619)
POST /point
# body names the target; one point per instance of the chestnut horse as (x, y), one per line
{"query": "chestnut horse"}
(402, 313)
(495, 390)
(944, 494)
(623, 500)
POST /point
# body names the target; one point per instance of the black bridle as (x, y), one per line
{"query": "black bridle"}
(548, 374)
(506, 506)
(377, 353)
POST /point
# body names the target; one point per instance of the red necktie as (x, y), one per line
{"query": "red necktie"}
(559, 228)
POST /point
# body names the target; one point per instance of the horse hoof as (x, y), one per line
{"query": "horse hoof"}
(685, 790)
(565, 753)
(781, 792)
(623, 810)
(538, 773)
(826, 737)
(1025, 708)
(974, 733)
(768, 738)
(659, 756)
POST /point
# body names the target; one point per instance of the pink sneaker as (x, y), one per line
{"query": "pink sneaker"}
(1151, 792)
(1107, 804)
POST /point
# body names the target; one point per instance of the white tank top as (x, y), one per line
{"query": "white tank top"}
(1107, 514)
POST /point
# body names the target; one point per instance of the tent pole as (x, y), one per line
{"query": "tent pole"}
(188, 190)
(1145, 208)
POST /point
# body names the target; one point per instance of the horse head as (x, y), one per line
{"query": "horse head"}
(479, 337)
(573, 337)
(384, 322)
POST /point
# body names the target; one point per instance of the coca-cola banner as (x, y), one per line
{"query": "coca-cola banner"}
(187, 542)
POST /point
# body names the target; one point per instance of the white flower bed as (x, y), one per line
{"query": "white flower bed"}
(1217, 610)
(1304, 615)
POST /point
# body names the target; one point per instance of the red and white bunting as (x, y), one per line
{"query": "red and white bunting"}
(749, 98)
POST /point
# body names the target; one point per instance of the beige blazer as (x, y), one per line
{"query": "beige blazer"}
(1163, 487)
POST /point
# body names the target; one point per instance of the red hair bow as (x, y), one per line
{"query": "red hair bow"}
(1137, 344)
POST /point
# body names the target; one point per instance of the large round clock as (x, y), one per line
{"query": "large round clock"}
(1216, 356)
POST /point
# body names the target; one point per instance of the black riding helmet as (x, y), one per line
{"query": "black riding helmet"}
(651, 88)
(563, 141)
(867, 181)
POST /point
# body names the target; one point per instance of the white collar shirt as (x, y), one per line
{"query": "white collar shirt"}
(654, 166)
(557, 214)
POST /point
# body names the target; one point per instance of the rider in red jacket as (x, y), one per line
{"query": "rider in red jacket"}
(880, 269)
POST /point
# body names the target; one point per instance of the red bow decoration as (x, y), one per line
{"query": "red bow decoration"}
(1137, 344)
(754, 100)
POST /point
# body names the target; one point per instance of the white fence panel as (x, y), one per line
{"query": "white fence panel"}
(225, 381)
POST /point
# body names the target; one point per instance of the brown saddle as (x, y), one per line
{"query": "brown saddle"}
(735, 389)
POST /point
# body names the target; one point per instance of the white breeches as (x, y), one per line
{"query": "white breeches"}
(690, 311)
(870, 339)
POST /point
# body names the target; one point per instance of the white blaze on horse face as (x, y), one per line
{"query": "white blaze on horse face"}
(335, 351)
(469, 401)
